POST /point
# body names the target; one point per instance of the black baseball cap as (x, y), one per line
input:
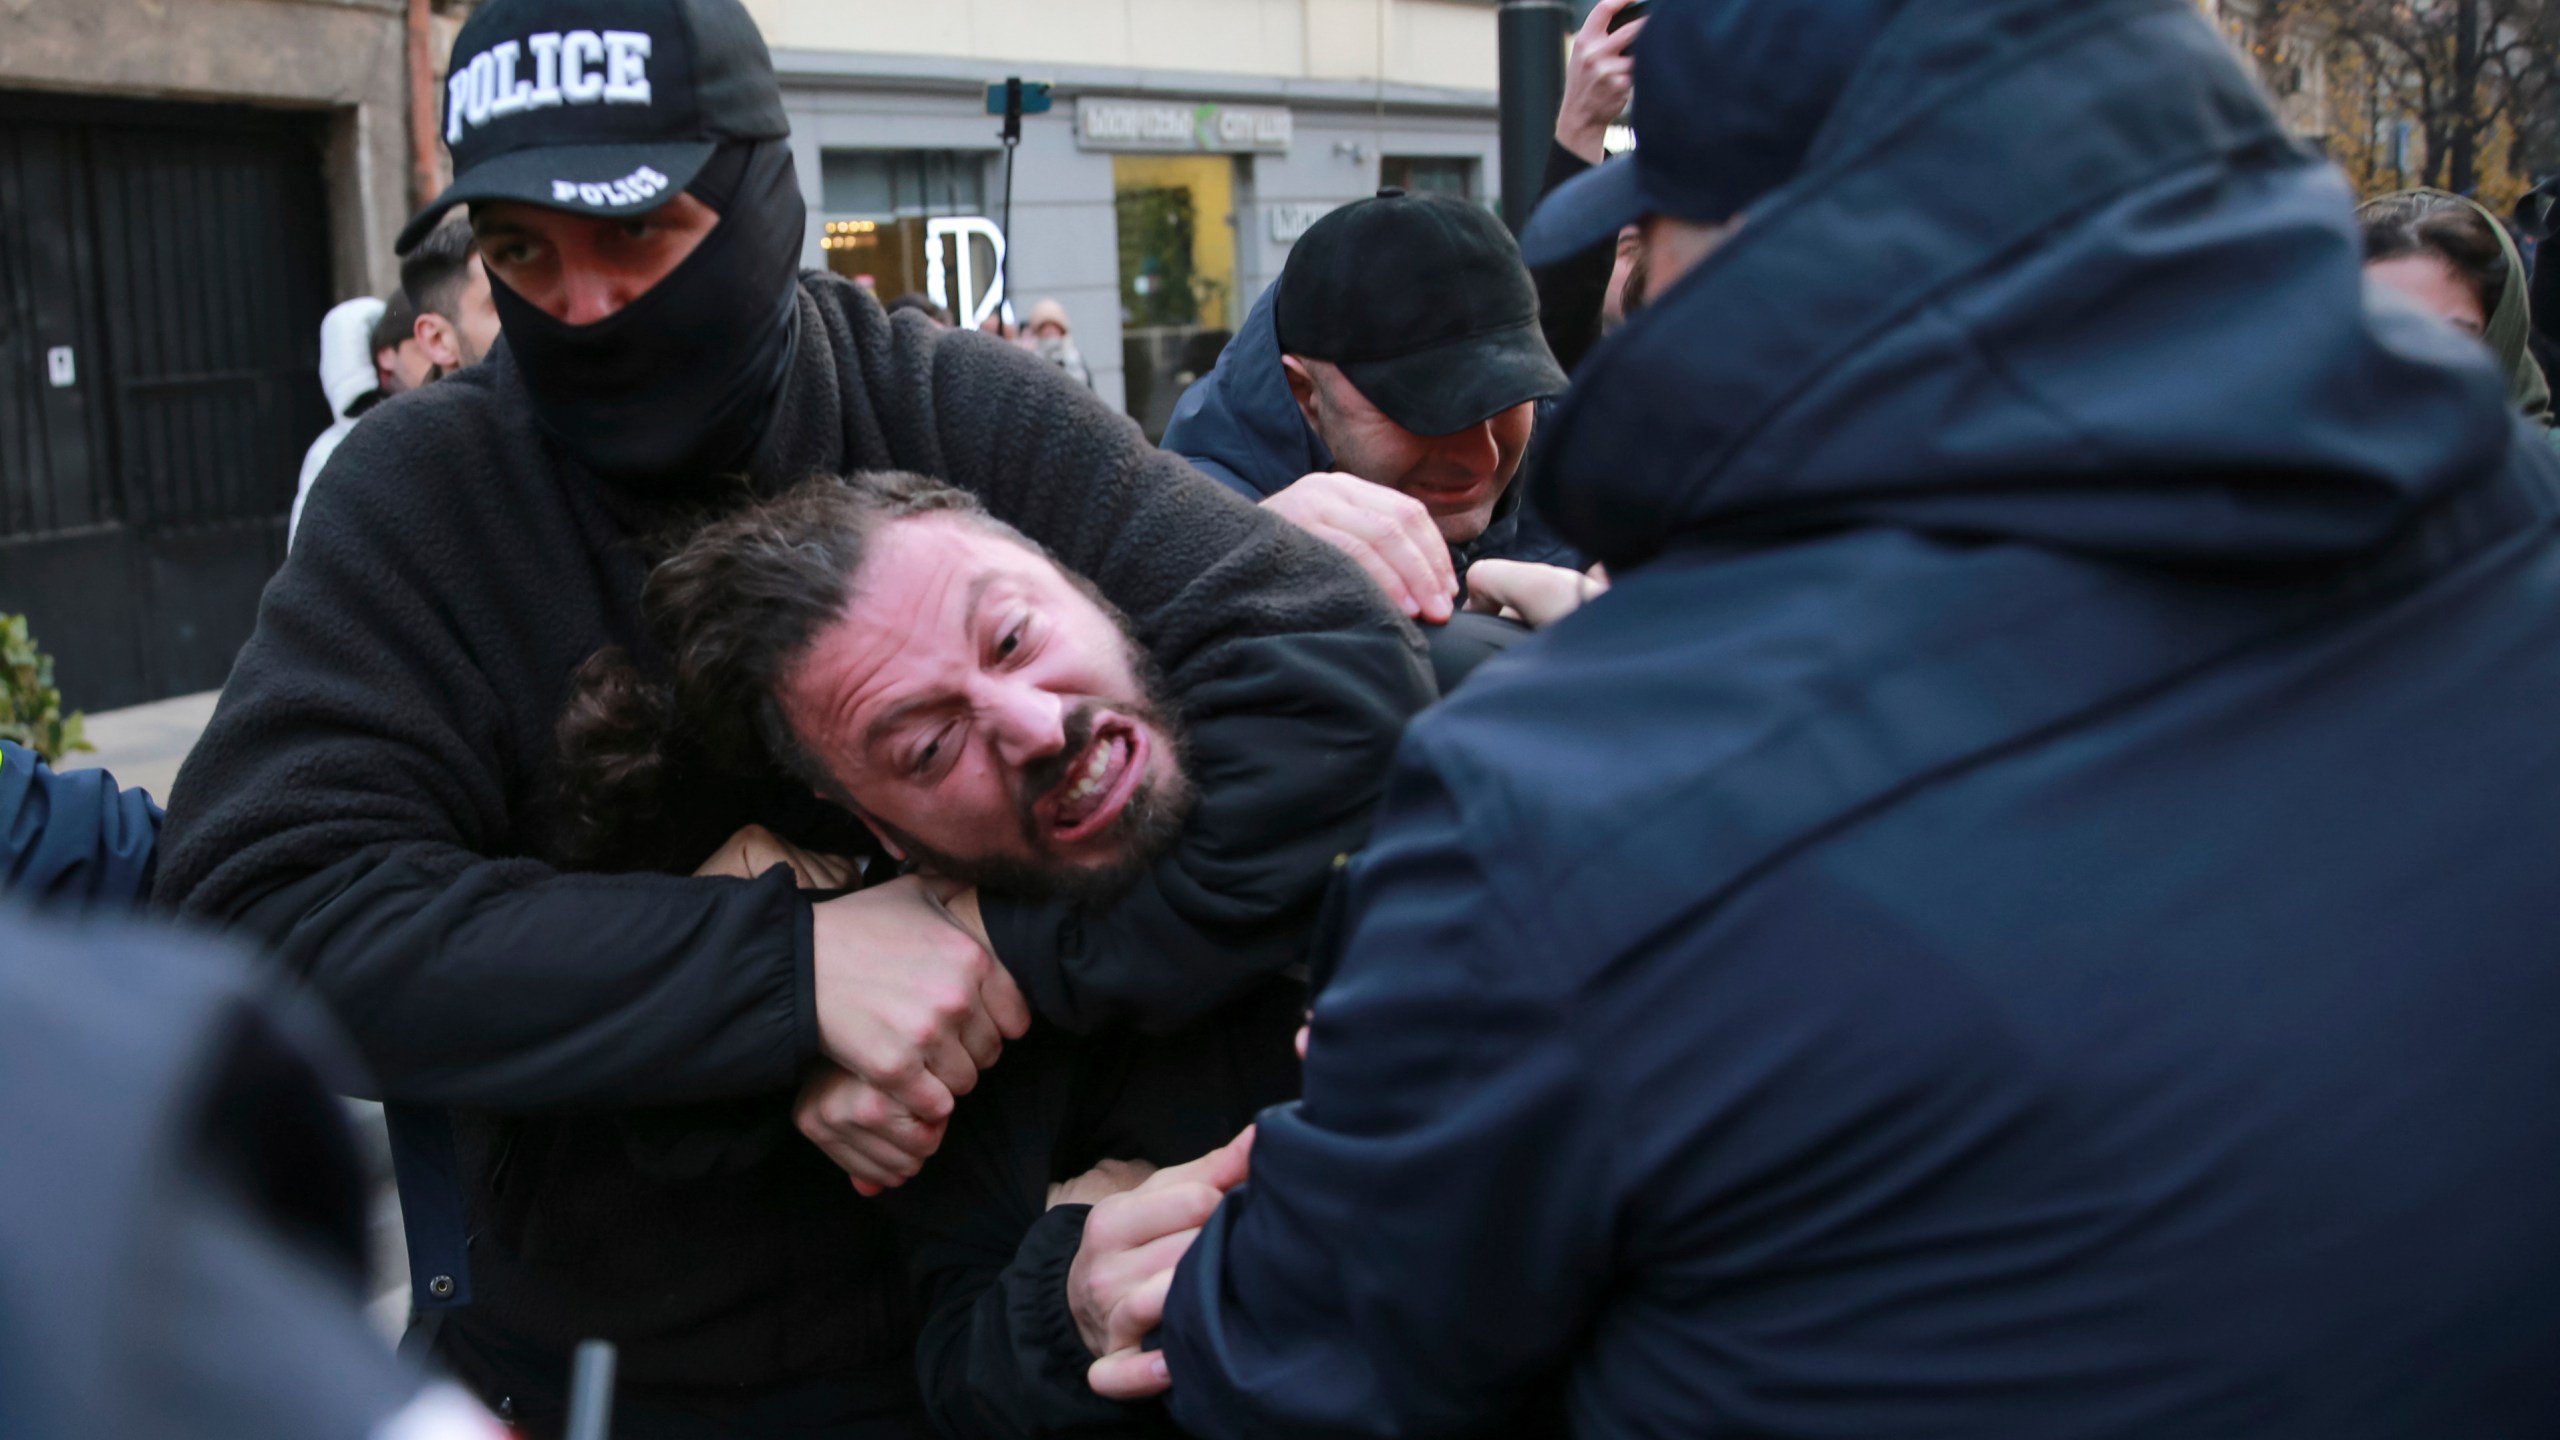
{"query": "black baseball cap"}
(603, 107)
(1423, 302)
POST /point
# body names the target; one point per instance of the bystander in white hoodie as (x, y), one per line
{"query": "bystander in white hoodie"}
(348, 378)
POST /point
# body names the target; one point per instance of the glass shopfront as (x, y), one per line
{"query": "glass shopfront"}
(1178, 295)
(879, 231)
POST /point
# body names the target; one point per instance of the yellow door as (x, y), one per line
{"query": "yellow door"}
(1178, 302)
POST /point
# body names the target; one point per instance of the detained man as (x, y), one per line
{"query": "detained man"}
(993, 722)
(592, 1059)
(2026, 910)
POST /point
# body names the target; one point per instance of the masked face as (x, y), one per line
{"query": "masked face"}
(581, 269)
(988, 718)
(653, 349)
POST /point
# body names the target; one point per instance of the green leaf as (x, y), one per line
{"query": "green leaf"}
(30, 706)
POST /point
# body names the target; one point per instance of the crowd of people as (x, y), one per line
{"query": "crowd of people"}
(1889, 780)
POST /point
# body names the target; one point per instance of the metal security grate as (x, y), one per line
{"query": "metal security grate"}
(163, 271)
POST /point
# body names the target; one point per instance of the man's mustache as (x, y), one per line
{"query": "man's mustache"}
(1040, 777)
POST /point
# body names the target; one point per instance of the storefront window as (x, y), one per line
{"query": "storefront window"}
(1178, 302)
(1430, 174)
(877, 204)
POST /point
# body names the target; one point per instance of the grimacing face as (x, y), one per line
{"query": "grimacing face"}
(1458, 477)
(988, 718)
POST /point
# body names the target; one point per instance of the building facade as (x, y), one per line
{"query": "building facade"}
(1189, 144)
(185, 186)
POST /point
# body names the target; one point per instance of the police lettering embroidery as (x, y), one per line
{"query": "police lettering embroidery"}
(579, 67)
(640, 185)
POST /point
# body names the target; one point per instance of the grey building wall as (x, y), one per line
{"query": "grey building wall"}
(345, 57)
(1064, 235)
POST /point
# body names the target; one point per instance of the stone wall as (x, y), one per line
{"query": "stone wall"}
(347, 58)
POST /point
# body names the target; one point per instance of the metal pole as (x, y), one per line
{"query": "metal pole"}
(1532, 39)
(1011, 135)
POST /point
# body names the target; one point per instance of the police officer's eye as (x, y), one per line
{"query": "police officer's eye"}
(924, 757)
(1010, 643)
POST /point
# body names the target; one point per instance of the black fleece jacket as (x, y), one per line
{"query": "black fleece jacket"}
(375, 798)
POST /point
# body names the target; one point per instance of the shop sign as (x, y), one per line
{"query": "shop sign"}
(1173, 125)
(969, 296)
(1291, 219)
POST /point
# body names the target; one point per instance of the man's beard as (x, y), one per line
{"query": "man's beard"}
(1146, 829)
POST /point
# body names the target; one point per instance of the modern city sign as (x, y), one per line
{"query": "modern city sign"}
(1104, 124)
(972, 297)
(1293, 218)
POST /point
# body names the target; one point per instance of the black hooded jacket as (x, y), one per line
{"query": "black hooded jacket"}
(376, 798)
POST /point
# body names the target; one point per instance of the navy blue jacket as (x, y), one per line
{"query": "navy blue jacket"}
(182, 1208)
(2029, 910)
(1241, 427)
(73, 839)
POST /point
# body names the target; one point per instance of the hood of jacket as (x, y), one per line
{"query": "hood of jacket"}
(346, 353)
(1240, 426)
(2054, 274)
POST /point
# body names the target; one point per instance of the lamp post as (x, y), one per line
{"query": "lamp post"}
(1532, 36)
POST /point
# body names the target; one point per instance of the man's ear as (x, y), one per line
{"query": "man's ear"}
(896, 852)
(1302, 388)
(435, 337)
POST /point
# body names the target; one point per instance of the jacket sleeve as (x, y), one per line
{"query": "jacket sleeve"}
(72, 837)
(1217, 470)
(1442, 1073)
(998, 1356)
(1570, 291)
(1293, 675)
(357, 804)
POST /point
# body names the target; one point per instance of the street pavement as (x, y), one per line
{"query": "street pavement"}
(143, 746)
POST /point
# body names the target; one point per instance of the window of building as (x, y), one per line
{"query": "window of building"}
(878, 204)
(1430, 174)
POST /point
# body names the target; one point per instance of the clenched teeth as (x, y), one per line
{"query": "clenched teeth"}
(1089, 777)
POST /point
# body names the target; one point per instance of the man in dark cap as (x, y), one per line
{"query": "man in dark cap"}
(1382, 393)
(2026, 910)
(381, 797)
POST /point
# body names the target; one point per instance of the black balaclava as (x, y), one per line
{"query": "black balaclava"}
(669, 393)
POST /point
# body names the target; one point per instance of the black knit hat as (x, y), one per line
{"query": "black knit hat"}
(603, 107)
